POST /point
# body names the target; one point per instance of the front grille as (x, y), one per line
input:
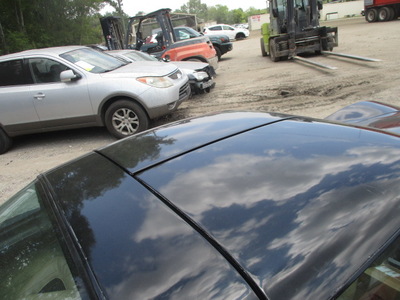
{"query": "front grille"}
(176, 74)
(184, 91)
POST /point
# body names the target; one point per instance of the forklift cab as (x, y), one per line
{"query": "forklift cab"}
(151, 33)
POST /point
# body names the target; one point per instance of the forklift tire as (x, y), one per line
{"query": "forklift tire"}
(272, 50)
(263, 52)
(371, 15)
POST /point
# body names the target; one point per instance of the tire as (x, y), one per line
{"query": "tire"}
(383, 14)
(272, 50)
(371, 15)
(391, 13)
(5, 142)
(124, 118)
(262, 45)
(240, 36)
(218, 53)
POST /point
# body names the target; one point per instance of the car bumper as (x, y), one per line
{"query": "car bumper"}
(199, 87)
(158, 111)
(226, 48)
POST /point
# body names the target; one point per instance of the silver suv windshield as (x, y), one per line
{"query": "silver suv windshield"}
(93, 61)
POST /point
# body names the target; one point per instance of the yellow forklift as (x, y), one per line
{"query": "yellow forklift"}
(294, 29)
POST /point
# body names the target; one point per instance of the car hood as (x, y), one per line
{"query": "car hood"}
(189, 65)
(142, 68)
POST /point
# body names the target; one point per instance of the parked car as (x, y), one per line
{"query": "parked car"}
(226, 206)
(74, 86)
(221, 42)
(201, 75)
(232, 32)
(371, 114)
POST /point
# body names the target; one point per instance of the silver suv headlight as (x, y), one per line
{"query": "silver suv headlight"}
(159, 82)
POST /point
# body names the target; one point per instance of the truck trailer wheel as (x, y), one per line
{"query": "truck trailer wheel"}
(383, 14)
(124, 118)
(262, 45)
(371, 15)
(391, 13)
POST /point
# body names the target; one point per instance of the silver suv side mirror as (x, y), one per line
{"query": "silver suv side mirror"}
(68, 75)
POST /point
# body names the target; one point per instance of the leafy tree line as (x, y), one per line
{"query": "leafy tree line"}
(219, 13)
(46, 23)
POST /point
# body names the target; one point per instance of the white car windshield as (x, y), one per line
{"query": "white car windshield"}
(140, 56)
(93, 61)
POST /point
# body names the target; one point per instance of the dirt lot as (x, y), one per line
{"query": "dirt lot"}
(245, 81)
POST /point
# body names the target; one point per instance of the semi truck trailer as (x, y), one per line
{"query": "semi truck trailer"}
(381, 10)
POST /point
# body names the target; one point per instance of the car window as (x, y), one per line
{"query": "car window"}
(13, 73)
(381, 280)
(92, 61)
(216, 28)
(183, 34)
(46, 70)
(228, 28)
(32, 262)
(140, 56)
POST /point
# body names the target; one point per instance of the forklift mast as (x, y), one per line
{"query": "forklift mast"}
(113, 32)
(156, 23)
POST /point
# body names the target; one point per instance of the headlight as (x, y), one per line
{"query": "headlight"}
(159, 82)
(200, 75)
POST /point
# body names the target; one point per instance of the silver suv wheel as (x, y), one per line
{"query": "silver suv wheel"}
(124, 118)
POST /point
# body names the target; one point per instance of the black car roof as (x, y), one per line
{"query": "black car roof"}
(183, 136)
(301, 205)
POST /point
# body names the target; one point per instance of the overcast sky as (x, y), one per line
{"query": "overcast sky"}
(132, 7)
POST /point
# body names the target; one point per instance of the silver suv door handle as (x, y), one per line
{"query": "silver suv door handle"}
(39, 96)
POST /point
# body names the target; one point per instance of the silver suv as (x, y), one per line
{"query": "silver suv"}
(74, 86)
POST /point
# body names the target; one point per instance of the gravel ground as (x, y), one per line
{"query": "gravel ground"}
(245, 81)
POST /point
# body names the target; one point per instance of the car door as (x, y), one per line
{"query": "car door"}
(17, 113)
(229, 31)
(59, 103)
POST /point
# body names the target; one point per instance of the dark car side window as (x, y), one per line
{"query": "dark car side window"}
(14, 72)
(380, 281)
(32, 262)
(45, 70)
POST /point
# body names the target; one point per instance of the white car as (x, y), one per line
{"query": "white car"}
(233, 32)
(201, 75)
(74, 86)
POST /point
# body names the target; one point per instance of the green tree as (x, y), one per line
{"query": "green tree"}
(238, 16)
(45, 23)
(219, 13)
(195, 7)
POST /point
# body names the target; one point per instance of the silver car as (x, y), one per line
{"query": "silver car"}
(74, 86)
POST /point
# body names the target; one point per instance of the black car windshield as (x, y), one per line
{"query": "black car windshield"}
(93, 61)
